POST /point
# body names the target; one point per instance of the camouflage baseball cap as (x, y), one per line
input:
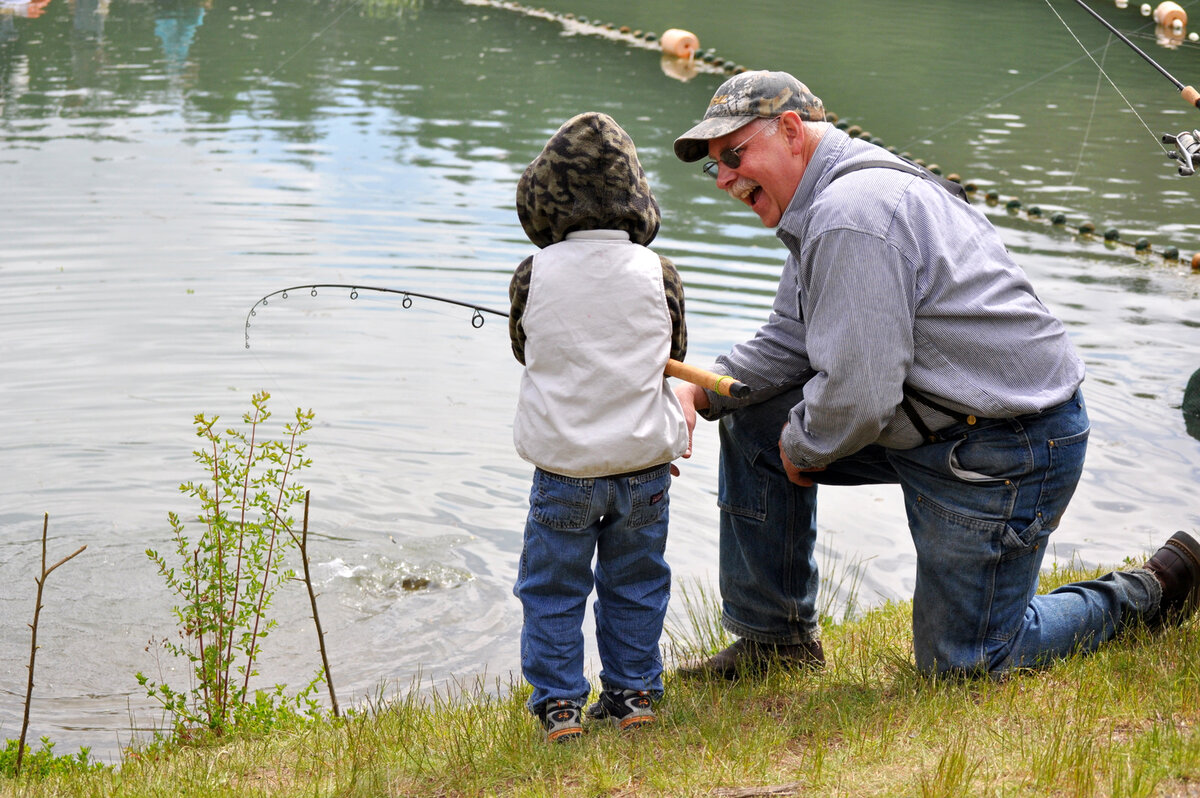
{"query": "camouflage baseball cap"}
(744, 98)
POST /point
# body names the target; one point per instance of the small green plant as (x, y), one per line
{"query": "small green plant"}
(43, 762)
(226, 577)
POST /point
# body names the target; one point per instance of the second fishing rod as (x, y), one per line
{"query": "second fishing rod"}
(1187, 143)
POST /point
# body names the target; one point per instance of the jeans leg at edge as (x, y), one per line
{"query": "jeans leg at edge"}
(1078, 617)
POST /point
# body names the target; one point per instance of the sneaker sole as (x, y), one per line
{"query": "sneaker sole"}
(563, 735)
(636, 722)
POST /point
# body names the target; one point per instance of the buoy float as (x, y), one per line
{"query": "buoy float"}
(679, 43)
(1170, 15)
(1146, 9)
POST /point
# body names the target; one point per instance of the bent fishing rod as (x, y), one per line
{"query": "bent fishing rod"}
(721, 384)
(1187, 143)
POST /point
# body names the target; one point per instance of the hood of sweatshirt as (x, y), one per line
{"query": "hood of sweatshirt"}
(587, 177)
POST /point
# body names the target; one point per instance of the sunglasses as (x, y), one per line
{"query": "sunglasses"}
(731, 156)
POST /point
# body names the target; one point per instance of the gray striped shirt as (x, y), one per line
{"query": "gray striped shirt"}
(890, 279)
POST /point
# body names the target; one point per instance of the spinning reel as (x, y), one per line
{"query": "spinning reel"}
(1187, 150)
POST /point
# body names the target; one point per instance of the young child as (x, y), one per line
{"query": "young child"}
(595, 315)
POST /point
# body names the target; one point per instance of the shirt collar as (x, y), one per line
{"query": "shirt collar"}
(598, 235)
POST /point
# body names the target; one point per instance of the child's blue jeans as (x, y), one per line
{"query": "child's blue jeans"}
(622, 521)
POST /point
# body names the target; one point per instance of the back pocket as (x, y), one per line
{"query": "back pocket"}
(559, 502)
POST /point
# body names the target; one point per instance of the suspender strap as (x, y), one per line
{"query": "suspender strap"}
(906, 404)
(916, 419)
(950, 186)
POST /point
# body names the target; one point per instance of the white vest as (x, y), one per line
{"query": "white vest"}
(594, 401)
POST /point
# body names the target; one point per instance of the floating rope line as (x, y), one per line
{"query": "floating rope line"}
(704, 62)
(707, 61)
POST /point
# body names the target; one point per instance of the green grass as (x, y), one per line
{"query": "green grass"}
(1121, 722)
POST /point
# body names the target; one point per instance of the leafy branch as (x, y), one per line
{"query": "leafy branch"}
(226, 578)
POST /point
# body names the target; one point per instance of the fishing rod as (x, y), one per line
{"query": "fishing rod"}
(1187, 143)
(721, 384)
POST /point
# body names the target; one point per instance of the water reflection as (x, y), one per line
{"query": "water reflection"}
(30, 9)
(175, 26)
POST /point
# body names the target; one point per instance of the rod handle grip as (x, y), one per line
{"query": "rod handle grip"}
(1191, 96)
(718, 383)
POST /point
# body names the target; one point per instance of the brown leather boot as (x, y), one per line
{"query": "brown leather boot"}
(751, 658)
(1177, 567)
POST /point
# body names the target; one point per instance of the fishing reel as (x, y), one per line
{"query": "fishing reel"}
(1187, 150)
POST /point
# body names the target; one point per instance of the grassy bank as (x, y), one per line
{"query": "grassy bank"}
(1122, 722)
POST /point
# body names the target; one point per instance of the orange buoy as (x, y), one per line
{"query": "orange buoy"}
(1170, 15)
(679, 43)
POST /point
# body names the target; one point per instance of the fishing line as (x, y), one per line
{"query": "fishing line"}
(349, 6)
(929, 136)
(1087, 131)
(1105, 74)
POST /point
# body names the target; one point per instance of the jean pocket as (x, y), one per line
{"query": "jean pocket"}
(745, 495)
(649, 496)
(998, 455)
(561, 503)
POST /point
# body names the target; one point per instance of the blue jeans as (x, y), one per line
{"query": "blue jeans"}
(622, 520)
(981, 504)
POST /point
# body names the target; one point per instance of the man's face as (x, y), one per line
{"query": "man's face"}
(767, 175)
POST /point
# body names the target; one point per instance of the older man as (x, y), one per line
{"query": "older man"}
(904, 346)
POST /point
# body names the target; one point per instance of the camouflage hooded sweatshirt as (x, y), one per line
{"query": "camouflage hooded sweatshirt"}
(591, 318)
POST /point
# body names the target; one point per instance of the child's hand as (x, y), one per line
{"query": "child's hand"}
(691, 398)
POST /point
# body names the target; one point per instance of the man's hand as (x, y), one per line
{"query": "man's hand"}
(795, 475)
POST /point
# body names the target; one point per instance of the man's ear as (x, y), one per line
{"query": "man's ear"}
(793, 127)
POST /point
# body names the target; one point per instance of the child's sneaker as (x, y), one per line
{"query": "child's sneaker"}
(625, 709)
(561, 720)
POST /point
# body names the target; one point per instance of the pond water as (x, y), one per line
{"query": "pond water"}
(165, 164)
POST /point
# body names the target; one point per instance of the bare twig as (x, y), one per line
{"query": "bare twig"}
(312, 597)
(37, 610)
